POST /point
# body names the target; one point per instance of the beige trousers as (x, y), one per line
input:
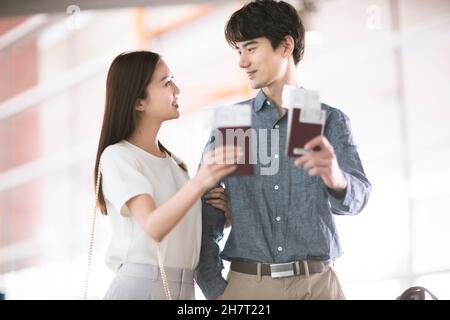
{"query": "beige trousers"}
(318, 286)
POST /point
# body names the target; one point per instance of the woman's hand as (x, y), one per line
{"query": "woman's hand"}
(217, 164)
(218, 199)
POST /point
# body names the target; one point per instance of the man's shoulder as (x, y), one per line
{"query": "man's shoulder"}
(330, 109)
(333, 113)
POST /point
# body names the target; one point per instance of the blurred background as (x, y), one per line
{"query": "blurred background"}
(385, 63)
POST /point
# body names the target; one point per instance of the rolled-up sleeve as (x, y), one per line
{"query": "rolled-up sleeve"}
(208, 273)
(338, 132)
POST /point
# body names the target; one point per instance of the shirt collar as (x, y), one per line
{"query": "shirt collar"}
(260, 100)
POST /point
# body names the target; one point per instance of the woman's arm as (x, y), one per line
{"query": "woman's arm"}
(159, 221)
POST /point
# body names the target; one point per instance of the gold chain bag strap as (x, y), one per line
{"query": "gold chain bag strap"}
(91, 247)
(91, 238)
(163, 274)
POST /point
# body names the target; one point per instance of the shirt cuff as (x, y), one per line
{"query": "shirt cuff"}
(214, 288)
(342, 204)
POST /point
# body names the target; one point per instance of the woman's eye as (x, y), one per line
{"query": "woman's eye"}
(169, 81)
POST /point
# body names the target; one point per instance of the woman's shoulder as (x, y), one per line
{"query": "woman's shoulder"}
(118, 151)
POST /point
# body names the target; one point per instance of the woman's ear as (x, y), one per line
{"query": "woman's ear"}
(288, 45)
(139, 105)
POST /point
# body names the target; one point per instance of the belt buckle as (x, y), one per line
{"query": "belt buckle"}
(282, 270)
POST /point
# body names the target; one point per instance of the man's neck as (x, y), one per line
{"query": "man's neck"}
(274, 90)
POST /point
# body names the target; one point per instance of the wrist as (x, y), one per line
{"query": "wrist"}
(340, 188)
(197, 185)
(342, 185)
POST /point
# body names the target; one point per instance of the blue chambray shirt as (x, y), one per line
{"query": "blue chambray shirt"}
(283, 217)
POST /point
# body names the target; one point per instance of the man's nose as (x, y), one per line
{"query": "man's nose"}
(244, 62)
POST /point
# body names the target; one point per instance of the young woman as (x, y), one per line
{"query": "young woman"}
(145, 190)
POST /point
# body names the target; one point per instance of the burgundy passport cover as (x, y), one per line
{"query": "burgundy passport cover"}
(247, 168)
(300, 133)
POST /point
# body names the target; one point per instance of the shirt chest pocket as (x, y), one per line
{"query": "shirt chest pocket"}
(305, 189)
(300, 179)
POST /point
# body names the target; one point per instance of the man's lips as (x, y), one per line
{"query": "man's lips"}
(251, 74)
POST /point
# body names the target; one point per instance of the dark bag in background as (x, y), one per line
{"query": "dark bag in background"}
(416, 293)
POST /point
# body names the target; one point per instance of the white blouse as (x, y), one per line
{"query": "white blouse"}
(128, 171)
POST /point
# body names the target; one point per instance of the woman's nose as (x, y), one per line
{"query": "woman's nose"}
(177, 90)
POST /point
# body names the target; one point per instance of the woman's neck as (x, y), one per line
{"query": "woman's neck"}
(146, 137)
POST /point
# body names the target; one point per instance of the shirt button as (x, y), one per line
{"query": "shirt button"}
(277, 126)
(276, 156)
(278, 218)
(268, 102)
(280, 248)
(276, 187)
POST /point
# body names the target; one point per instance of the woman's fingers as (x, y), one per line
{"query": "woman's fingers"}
(223, 155)
(224, 170)
(215, 195)
(230, 157)
(220, 204)
(219, 163)
(217, 201)
(218, 190)
(220, 197)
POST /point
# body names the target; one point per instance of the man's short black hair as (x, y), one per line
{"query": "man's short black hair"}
(267, 18)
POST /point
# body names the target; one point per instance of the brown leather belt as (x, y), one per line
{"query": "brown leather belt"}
(280, 270)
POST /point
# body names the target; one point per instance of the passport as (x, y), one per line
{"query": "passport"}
(233, 127)
(306, 119)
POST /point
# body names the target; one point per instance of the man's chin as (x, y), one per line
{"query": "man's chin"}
(256, 85)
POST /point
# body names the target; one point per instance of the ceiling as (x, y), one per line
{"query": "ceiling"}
(30, 7)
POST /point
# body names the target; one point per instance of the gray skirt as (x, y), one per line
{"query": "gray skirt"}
(135, 281)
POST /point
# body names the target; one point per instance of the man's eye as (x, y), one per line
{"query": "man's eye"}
(251, 49)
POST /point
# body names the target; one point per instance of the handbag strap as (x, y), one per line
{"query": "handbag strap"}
(163, 273)
(91, 246)
(91, 238)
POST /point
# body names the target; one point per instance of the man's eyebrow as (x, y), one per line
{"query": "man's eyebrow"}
(247, 44)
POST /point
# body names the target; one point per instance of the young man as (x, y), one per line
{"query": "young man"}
(283, 239)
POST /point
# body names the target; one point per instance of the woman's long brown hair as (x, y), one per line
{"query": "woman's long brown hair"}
(128, 77)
